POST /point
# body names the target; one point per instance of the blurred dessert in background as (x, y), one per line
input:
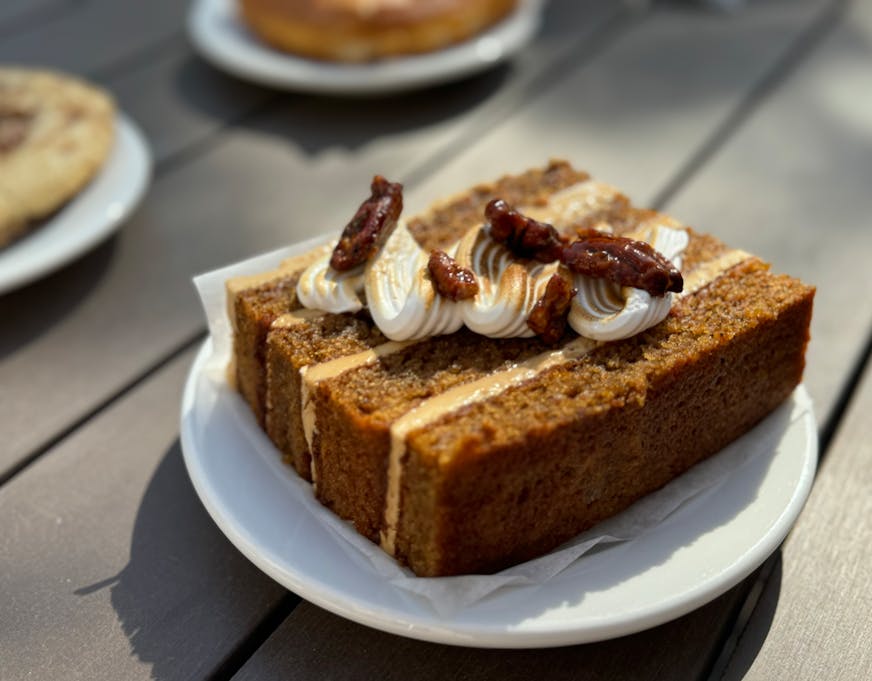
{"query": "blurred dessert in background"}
(366, 30)
(55, 134)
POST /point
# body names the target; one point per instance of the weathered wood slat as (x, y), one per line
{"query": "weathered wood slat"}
(812, 620)
(635, 114)
(285, 176)
(111, 568)
(96, 34)
(180, 101)
(793, 186)
(17, 13)
(314, 644)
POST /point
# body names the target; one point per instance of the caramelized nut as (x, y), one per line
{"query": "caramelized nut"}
(548, 317)
(626, 262)
(370, 225)
(449, 278)
(525, 237)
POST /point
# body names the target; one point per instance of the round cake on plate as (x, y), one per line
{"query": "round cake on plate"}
(366, 30)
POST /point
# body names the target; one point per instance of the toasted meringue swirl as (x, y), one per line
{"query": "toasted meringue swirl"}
(320, 287)
(402, 300)
(404, 304)
(508, 288)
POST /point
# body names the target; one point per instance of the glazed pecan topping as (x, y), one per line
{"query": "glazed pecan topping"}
(370, 225)
(14, 126)
(548, 317)
(449, 278)
(626, 262)
(525, 237)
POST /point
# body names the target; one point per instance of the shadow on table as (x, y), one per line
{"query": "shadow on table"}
(610, 565)
(315, 123)
(753, 632)
(684, 648)
(55, 297)
(186, 597)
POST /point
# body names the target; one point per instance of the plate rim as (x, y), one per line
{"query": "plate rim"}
(291, 72)
(444, 631)
(130, 146)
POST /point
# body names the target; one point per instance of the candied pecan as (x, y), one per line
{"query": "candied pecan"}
(449, 278)
(548, 317)
(624, 261)
(370, 225)
(525, 237)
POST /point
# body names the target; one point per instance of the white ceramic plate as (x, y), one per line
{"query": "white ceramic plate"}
(220, 36)
(705, 547)
(88, 218)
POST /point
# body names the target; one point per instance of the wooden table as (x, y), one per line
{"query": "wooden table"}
(755, 126)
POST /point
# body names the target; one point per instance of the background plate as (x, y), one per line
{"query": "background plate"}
(219, 35)
(705, 547)
(88, 218)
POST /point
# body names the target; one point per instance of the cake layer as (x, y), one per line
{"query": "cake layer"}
(357, 401)
(295, 341)
(253, 304)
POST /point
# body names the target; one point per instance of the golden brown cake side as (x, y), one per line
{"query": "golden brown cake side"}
(483, 489)
(354, 410)
(254, 302)
(294, 342)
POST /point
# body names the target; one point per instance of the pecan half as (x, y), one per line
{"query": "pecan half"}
(449, 278)
(525, 237)
(370, 225)
(626, 262)
(548, 317)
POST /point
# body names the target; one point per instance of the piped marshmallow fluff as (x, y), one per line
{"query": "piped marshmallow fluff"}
(322, 288)
(405, 306)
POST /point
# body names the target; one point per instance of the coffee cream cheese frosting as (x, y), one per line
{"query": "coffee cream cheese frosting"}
(404, 304)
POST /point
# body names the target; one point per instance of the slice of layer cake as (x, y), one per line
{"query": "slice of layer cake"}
(462, 453)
